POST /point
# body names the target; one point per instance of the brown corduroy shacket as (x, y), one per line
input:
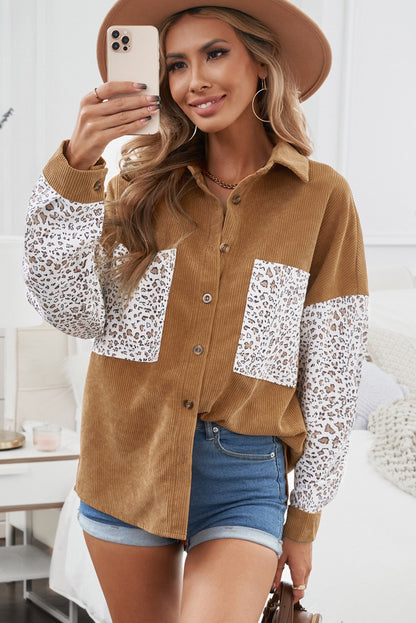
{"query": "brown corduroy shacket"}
(255, 319)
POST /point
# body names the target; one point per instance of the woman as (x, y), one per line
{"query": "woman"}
(226, 291)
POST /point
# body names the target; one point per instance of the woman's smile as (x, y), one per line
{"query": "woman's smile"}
(207, 106)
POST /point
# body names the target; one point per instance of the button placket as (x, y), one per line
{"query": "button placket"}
(230, 224)
(201, 331)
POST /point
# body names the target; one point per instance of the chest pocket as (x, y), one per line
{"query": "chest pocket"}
(268, 348)
(134, 331)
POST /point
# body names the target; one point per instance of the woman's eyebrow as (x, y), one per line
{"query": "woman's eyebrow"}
(204, 47)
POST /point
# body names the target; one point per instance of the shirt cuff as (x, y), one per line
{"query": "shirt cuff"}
(301, 526)
(74, 184)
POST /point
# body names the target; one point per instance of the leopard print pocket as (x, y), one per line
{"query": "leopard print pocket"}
(268, 348)
(134, 331)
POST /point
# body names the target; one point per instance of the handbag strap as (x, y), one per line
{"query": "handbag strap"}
(279, 608)
(286, 603)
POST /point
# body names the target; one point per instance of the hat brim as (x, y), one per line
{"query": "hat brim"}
(304, 47)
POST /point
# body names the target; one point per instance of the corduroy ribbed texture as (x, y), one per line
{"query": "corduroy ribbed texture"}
(74, 184)
(295, 216)
(299, 526)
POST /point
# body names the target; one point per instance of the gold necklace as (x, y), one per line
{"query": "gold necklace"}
(219, 182)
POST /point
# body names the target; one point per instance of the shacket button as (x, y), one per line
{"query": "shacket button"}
(207, 298)
(198, 349)
(98, 185)
(236, 199)
(215, 429)
(188, 404)
(224, 248)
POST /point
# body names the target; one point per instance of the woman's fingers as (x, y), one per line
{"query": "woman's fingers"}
(119, 96)
(108, 90)
(127, 127)
(111, 110)
(299, 559)
(119, 107)
(123, 104)
(299, 587)
(120, 116)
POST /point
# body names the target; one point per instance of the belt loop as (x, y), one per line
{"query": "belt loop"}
(208, 430)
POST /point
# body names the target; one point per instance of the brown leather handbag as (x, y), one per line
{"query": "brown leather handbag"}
(281, 609)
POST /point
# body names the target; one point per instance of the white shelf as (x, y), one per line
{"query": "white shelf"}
(29, 480)
(23, 562)
(29, 453)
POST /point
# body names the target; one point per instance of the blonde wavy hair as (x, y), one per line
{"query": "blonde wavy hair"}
(155, 165)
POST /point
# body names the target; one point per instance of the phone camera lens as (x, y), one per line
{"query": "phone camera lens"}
(115, 45)
(115, 34)
(125, 40)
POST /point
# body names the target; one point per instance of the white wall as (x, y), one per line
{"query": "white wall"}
(362, 120)
(47, 63)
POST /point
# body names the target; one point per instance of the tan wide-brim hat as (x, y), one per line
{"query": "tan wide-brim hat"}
(304, 47)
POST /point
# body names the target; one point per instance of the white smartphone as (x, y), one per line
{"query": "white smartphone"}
(133, 55)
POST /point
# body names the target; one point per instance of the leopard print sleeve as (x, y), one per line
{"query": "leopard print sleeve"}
(61, 274)
(332, 347)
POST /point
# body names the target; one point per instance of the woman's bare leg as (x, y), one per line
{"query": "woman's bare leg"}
(227, 581)
(140, 584)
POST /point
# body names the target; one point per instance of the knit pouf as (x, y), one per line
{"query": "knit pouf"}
(394, 449)
(394, 353)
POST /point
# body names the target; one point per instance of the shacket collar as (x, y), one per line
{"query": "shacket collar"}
(284, 154)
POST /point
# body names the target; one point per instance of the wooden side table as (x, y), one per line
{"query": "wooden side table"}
(32, 480)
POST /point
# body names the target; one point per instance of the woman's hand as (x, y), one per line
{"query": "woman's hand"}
(101, 119)
(298, 556)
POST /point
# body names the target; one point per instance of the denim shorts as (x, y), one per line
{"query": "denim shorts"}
(238, 491)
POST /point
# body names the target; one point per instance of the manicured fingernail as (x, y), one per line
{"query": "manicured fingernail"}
(155, 107)
(139, 85)
(146, 119)
(153, 98)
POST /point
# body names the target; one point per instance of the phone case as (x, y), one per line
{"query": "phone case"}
(133, 55)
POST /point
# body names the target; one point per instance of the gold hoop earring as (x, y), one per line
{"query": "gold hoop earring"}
(263, 88)
(192, 136)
